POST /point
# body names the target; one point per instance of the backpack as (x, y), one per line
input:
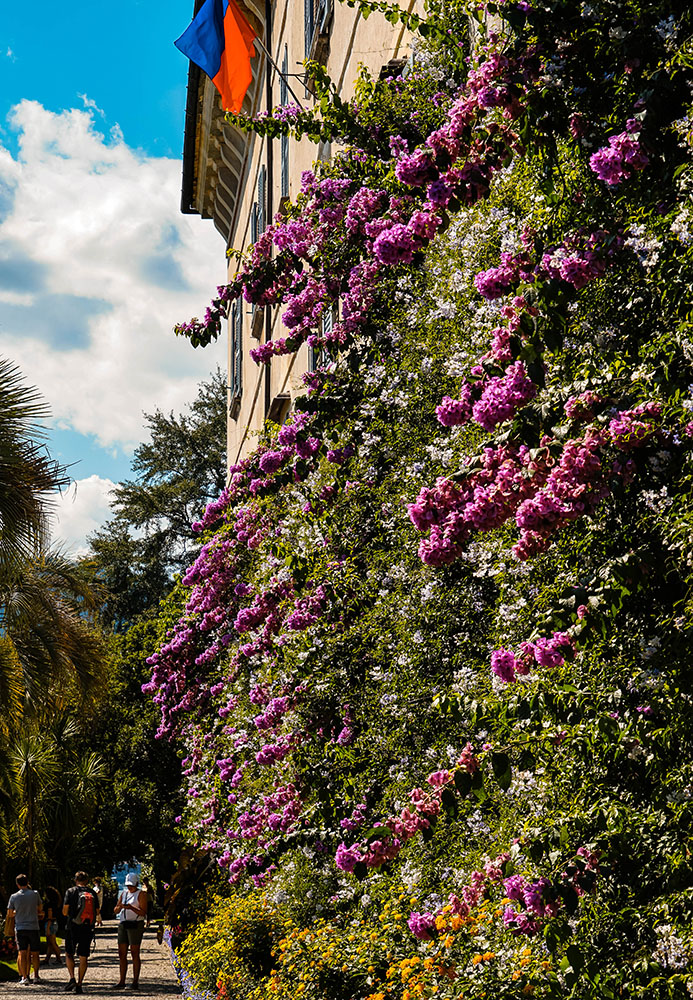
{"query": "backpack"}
(86, 909)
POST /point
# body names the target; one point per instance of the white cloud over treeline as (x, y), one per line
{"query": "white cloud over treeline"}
(79, 511)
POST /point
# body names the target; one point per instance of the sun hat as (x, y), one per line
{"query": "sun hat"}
(131, 879)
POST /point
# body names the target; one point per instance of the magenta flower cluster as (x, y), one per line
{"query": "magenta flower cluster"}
(543, 490)
(622, 157)
(550, 651)
(397, 830)
(379, 229)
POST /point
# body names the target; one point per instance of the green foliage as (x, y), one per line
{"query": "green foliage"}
(175, 474)
(574, 776)
(139, 797)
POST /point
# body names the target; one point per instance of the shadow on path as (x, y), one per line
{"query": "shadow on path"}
(157, 978)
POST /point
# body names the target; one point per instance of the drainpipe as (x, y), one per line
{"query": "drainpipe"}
(269, 190)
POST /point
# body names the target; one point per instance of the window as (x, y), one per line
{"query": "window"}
(236, 359)
(261, 200)
(257, 212)
(318, 358)
(318, 14)
(309, 12)
(284, 148)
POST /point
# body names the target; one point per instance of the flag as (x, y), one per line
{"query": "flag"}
(220, 41)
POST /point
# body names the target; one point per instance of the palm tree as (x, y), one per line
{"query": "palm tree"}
(52, 659)
(49, 647)
(27, 473)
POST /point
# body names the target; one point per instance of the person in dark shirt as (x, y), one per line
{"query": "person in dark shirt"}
(81, 907)
(52, 906)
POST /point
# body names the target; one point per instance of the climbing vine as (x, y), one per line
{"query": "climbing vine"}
(432, 674)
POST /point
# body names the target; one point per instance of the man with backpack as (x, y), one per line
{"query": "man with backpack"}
(81, 907)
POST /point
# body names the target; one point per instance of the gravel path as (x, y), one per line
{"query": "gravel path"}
(157, 978)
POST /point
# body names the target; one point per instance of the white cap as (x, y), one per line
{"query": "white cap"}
(131, 879)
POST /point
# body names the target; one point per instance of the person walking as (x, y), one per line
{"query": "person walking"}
(26, 907)
(51, 910)
(147, 887)
(98, 889)
(81, 907)
(131, 911)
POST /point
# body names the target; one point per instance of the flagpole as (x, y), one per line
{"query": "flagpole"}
(256, 41)
(269, 191)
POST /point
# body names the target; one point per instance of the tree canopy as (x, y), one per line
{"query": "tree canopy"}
(176, 473)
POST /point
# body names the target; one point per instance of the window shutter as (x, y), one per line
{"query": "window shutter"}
(232, 365)
(327, 321)
(283, 86)
(309, 21)
(238, 350)
(253, 223)
(284, 142)
(284, 151)
(261, 185)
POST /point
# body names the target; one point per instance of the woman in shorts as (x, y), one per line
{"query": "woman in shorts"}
(131, 910)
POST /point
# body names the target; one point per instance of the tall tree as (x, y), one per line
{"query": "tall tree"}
(51, 654)
(175, 474)
(27, 473)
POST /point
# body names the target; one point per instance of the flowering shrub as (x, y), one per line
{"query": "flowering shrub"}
(230, 953)
(432, 672)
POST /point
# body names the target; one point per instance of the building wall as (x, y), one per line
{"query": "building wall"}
(231, 171)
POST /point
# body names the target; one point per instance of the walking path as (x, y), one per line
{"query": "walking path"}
(157, 978)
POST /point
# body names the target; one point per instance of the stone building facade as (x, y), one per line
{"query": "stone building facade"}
(239, 180)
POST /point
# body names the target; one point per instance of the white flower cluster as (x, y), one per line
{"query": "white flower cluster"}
(671, 951)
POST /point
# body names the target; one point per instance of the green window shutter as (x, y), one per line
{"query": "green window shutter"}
(261, 200)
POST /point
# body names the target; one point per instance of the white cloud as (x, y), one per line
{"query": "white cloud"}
(97, 265)
(89, 103)
(79, 511)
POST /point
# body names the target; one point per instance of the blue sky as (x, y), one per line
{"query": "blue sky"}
(120, 55)
(96, 262)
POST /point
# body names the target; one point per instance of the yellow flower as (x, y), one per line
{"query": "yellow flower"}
(477, 959)
(449, 941)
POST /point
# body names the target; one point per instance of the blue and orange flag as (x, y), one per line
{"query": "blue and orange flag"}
(220, 41)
